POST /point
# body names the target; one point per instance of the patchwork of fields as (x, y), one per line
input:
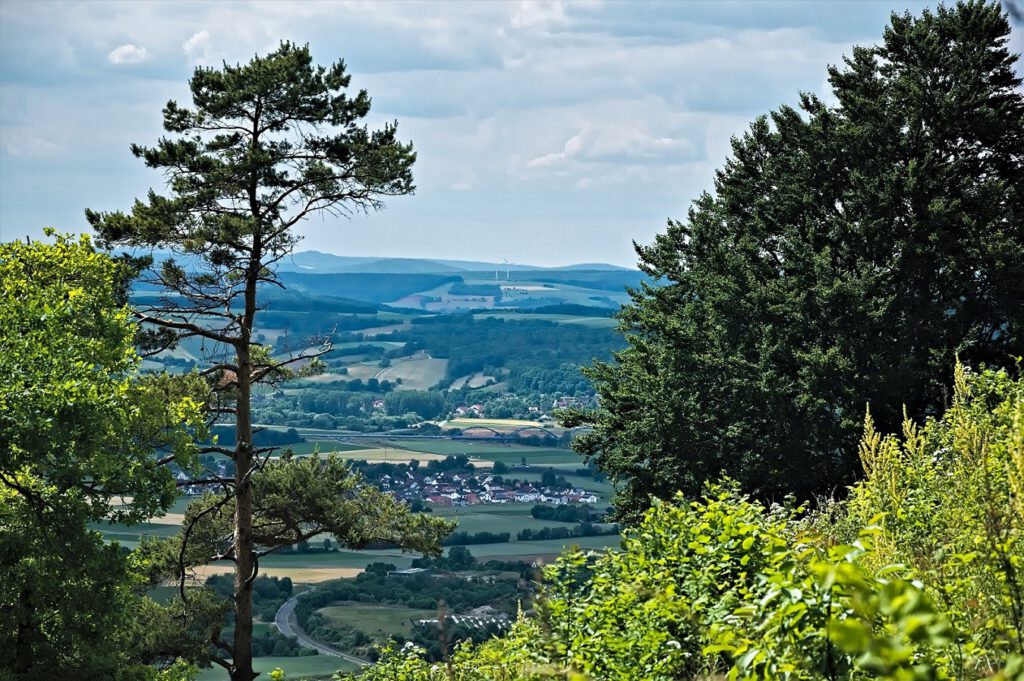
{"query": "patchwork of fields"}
(510, 517)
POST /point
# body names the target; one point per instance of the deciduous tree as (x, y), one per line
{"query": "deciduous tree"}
(849, 252)
(79, 434)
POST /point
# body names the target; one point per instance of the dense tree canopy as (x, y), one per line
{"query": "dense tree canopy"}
(848, 254)
(79, 434)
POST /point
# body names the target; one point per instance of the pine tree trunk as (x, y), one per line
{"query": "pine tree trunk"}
(244, 462)
(244, 557)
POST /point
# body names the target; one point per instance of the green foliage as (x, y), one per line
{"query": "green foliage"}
(78, 438)
(846, 255)
(914, 578)
(947, 500)
(427, 404)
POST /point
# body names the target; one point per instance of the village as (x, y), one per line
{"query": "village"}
(466, 488)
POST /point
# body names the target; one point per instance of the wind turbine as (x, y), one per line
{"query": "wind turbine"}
(507, 277)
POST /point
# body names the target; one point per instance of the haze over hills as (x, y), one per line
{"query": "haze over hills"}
(355, 284)
(318, 262)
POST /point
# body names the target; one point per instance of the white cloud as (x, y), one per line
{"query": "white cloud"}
(127, 54)
(198, 48)
(29, 146)
(521, 102)
(538, 13)
(617, 144)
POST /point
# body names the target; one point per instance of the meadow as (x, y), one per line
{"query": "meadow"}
(390, 620)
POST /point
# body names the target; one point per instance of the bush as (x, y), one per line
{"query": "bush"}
(915, 577)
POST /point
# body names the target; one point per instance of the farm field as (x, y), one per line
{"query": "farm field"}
(389, 620)
(378, 343)
(310, 667)
(385, 452)
(324, 378)
(396, 455)
(323, 447)
(547, 548)
(507, 453)
(499, 424)
(298, 575)
(361, 370)
(416, 373)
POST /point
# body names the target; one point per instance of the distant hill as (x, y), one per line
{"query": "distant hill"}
(334, 284)
(315, 262)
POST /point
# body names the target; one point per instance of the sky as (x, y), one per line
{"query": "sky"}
(547, 133)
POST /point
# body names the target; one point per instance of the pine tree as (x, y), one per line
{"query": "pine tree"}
(265, 145)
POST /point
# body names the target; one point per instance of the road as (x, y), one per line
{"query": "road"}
(286, 624)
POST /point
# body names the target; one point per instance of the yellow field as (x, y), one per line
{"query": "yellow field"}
(499, 424)
(297, 574)
(395, 455)
(327, 378)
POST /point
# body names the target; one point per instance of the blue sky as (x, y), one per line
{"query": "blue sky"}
(547, 132)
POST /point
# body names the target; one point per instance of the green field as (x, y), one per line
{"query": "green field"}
(296, 668)
(386, 620)
(260, 628)
(547, 548)
(508, 453)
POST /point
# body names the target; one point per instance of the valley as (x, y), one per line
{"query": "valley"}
(442, 388)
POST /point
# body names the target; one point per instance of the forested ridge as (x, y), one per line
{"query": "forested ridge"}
(811, 414)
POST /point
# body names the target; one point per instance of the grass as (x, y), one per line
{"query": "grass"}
(385, 620)
(548, 548)
(296, 668)
(260, 628)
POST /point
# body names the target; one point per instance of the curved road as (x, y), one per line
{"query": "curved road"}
(286, 624)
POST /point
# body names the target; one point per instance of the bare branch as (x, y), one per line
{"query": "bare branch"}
(187, 326)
